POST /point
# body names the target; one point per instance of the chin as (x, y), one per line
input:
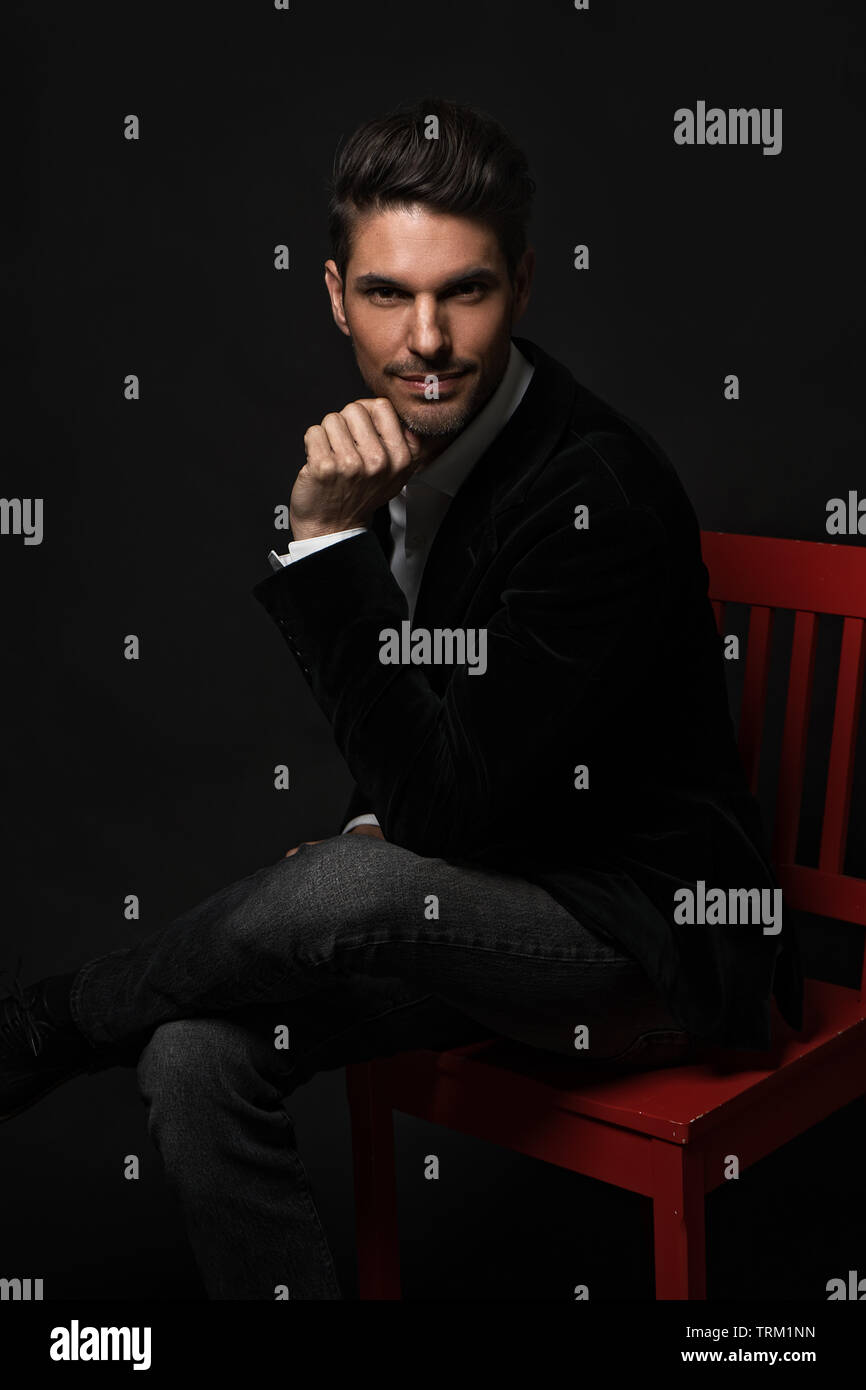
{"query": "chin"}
(437, 426)
(436, 420)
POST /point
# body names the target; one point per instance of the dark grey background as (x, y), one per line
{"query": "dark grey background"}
(155, 777)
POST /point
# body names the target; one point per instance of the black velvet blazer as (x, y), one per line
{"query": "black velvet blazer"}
(602, 652)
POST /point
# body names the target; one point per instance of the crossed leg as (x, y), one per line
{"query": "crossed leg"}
(214, 1090)
(357, 949)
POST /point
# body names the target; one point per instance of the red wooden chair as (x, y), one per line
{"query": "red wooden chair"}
(664, 1133)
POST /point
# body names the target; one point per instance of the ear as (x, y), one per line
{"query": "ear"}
(523, 273)
(334, 286)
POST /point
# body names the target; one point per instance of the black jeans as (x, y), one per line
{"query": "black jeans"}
(351, 949)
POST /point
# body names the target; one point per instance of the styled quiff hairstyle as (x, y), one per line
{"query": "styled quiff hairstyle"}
(472, 169)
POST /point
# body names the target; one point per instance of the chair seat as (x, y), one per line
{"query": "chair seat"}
(677, 1104)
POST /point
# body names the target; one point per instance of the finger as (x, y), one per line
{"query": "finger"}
(317, 446)
(401, 444)
(369, 443)
(342, 444)
(297, 847)
(393, 431)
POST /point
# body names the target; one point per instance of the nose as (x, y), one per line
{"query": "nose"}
(428, 329)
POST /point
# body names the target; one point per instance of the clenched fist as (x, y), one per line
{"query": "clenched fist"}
(357, 460)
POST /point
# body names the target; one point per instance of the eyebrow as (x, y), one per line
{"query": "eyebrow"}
(480, 272)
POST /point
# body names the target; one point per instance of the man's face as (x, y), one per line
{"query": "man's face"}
(426, 294)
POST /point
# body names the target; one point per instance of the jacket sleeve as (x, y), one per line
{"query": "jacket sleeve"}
(444, 773)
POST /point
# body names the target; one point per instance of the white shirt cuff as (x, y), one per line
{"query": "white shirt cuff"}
(298, 549)
(367, 819)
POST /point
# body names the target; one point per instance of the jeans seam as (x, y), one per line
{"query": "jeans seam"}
(360, 942)
(365, 941)
(343, 1032)
(666, 1035)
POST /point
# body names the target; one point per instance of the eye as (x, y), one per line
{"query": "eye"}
(384, 293)
(469, 287)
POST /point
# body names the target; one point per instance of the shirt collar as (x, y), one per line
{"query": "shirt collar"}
(453, 465)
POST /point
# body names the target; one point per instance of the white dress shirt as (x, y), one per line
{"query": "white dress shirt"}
(418, 508)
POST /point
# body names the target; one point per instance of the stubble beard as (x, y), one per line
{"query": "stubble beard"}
(436, 419)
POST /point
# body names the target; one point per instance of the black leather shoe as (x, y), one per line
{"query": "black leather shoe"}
(37, 1053)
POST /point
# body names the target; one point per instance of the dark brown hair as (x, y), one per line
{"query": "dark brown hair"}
(473, 169)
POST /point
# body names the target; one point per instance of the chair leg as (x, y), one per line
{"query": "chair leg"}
(679, 1208)
(375, 1181)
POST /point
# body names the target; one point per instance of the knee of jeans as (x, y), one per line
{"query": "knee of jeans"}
(361, 881)
(193, 1064)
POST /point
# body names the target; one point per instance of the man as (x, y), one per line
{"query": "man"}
(495, 590)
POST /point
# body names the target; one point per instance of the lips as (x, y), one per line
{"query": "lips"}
(432, 387)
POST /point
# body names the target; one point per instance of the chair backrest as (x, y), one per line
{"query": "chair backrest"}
(811, 579)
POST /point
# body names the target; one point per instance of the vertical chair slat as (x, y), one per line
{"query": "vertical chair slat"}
(793, 762)
(755, 690)
(840, 772)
